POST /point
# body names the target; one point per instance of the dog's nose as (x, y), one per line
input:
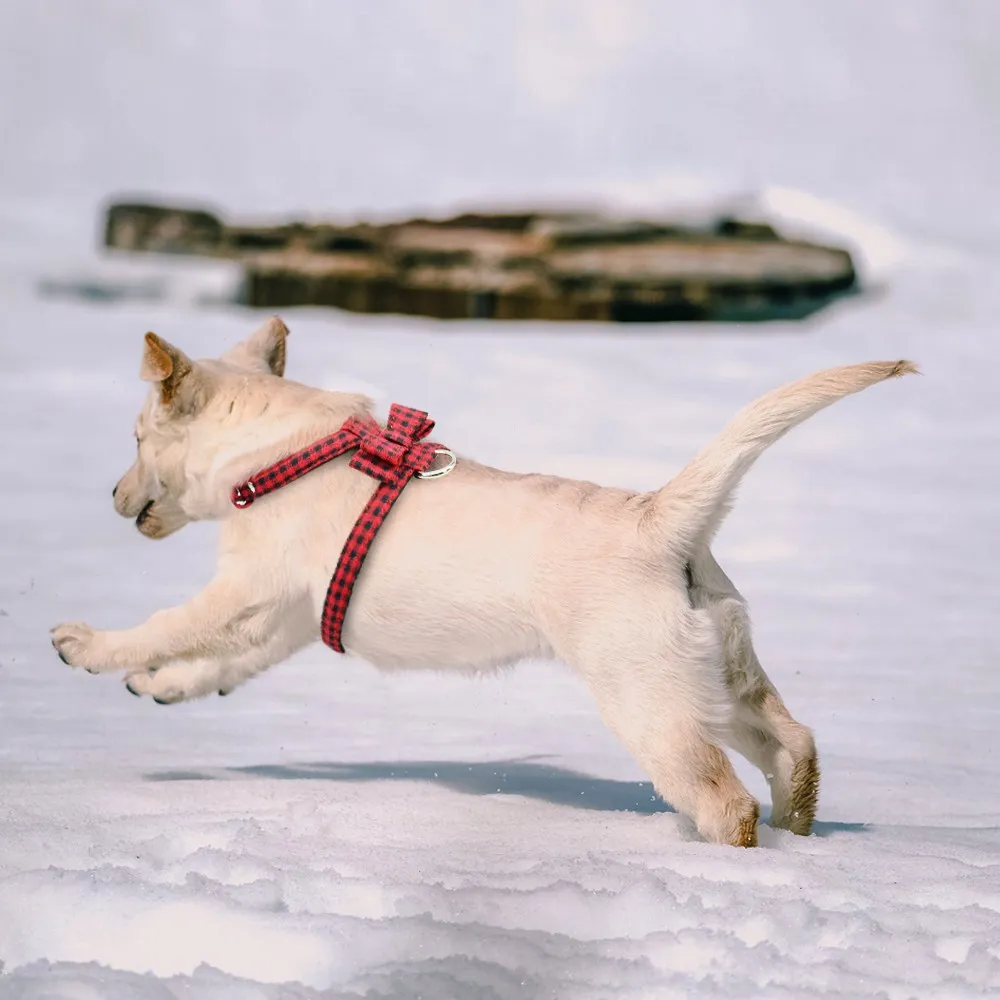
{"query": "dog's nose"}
(114, 492)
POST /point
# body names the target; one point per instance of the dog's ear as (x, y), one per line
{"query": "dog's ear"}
(264, 350)
(182, 386)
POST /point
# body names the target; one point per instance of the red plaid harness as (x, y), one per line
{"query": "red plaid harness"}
(392, 455)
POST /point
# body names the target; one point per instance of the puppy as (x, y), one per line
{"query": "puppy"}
(471, 571)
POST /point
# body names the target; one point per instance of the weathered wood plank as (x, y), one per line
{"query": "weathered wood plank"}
(510, 266)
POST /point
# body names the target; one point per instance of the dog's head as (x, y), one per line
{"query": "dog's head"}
(164, 489)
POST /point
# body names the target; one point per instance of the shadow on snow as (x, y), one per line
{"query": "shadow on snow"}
(526, 776)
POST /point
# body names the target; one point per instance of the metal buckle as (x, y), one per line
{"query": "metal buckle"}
(241, 501)
(444, 470)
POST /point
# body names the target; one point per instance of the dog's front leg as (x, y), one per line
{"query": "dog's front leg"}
(225, 620)
(184, 680)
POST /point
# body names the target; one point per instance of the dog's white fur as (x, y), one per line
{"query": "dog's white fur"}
(472, 571)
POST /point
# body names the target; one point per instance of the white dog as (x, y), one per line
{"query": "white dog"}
(471, 571)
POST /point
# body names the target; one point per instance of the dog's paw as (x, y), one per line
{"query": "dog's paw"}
(170, 685)
(163, 692)
(78, 645)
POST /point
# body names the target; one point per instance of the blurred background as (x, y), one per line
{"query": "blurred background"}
(888, 108)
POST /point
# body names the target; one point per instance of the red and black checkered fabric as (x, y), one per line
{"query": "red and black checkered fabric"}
(391, 455)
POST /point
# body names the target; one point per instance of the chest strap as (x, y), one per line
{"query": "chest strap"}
(391, 455)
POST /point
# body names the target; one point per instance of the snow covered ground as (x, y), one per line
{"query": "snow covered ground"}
(329, 831)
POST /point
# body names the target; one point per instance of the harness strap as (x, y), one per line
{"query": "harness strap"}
(392, 456)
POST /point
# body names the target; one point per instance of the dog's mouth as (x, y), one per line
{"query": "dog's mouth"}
(143, 514)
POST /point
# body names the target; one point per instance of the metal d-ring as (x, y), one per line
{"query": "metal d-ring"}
(444, 470)
(242, 501)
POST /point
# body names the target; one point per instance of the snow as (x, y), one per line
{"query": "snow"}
(318, 888)
(331, 831)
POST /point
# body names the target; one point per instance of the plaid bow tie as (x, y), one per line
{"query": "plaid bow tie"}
(383, 453)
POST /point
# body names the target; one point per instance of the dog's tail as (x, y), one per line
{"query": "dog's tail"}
(694, 503)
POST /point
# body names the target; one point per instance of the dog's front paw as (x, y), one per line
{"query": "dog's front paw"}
(78, 645)
(175, 683)
(145, 683)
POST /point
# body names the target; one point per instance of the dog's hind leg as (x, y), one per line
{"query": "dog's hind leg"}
(766, 734)
(692, 772)
(762, 728)
(666, 710)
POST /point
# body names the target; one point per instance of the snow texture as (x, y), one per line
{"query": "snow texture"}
(327, 831)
